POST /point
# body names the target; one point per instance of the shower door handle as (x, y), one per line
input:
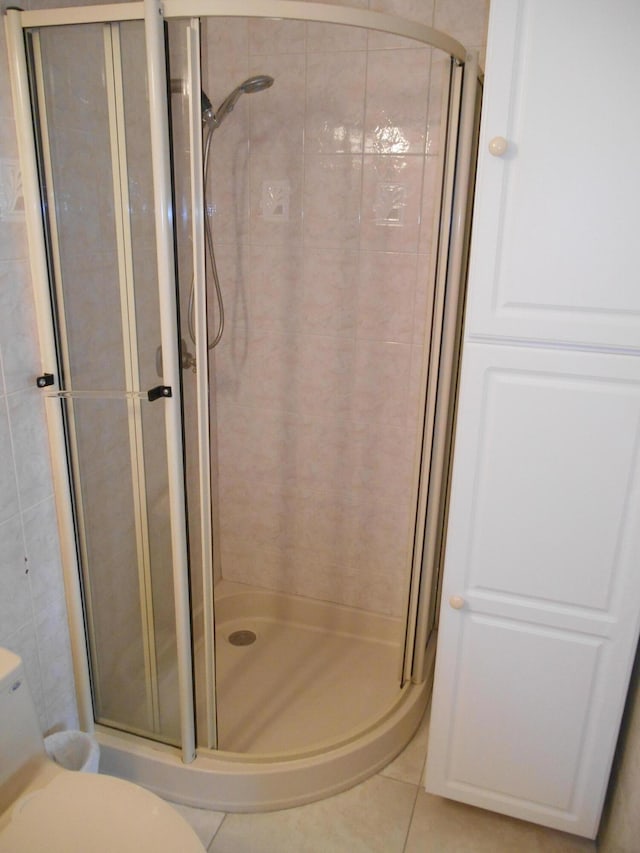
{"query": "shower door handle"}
(158, 392)
(45, 380)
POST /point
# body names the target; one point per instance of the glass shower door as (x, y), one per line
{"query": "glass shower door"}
(95, 169)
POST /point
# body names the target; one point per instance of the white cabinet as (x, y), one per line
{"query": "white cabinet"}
(543, 542)
(543, 547)
(555, 250)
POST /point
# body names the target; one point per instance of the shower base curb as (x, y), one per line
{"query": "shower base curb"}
(232, 782)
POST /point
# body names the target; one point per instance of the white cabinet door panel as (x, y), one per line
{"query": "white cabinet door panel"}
(543, 545)
(557, 215)
(523, 734)
(545, 433)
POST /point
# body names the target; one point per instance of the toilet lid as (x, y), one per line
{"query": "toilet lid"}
(79, 812)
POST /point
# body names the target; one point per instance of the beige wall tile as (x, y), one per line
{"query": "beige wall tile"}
(395, 121)
(332, 186)
(414, 10)
(9, 505)
(391, 199)
(15, 601)
(277, 175)
(30, 449)
(329, 297)
(335, 37)
(465, 20)
(335, 102)
(273, 36)
(277, 290)
(386, 296)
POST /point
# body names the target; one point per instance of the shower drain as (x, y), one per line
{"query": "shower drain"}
(242, 638)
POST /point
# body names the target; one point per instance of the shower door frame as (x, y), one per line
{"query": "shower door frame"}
(132, 395)
(452, 246)
(172, 402)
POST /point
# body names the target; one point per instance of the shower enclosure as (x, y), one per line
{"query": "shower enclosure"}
(251, 443)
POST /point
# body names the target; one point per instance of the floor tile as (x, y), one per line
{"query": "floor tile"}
(371, 818)
(442, 826)
(204, 823)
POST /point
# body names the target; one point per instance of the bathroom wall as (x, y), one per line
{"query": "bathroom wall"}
(323, 192)
(32, 606)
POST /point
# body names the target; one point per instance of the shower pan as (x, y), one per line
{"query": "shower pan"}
(252, 530)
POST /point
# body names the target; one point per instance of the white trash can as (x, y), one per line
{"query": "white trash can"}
(73, 750)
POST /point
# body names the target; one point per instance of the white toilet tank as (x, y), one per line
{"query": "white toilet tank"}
(20, 736)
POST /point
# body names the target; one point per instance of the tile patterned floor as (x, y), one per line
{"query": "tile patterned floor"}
(389, 813)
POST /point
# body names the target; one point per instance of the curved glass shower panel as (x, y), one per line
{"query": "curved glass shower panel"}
(144, 266)
(95, 167)
(323, 197)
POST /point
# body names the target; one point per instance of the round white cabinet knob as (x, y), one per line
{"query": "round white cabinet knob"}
(457, 602)
(498, 146)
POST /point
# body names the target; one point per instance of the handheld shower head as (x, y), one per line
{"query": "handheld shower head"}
(251, 85)
(211, 120)
(256, 84)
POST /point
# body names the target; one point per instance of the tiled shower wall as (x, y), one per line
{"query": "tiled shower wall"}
(32, 607)
(323, 192)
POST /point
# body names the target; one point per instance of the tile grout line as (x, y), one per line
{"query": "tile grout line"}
(420, 783)
(215, 834)
(413, 811)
